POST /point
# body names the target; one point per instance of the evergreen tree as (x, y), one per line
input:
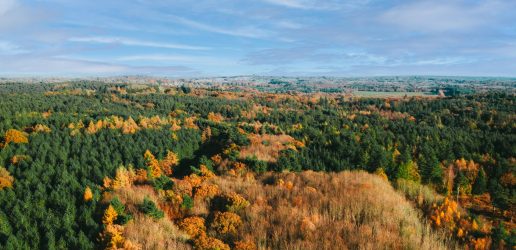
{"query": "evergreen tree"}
(480, 185)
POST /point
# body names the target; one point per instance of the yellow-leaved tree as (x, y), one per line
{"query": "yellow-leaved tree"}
(110, 215)
(88, 195)
(226, 223)
(15, 136)
(6, 180)
(215, 117)
(122, 179)
(170, 161)
(152, 164)
(130, 126)
(206, 134)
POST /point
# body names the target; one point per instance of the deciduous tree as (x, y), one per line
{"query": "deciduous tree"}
(15, 136)
(6, 180)
(88, 195)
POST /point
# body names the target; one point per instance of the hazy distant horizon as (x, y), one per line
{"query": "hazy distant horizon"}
(211, 38)
(88, 77)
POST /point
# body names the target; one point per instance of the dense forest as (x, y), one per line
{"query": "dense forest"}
(67, 148)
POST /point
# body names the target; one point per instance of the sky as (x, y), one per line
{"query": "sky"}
(185, 38)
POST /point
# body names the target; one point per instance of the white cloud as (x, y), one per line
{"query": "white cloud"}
(182, 59)
(319, 4)
(440, 16)
(134, 42)
(15, 15)
(300, 4)
(8, 48)
(44, 66)
(6, 6)
(249, 32)
(443, 61)
(288, 24)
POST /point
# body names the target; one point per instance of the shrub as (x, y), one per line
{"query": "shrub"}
(235, 202)
(256, 165)
(226, 223)
(204, 242)
(148, 207)
(423, 195)
(502, 238)
(193, 226)
(162, 183)
(123, 217)
(206, 191)
(245, 245)
(409, 171)
(187, 203)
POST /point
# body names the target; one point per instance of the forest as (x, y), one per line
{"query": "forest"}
(96, 165)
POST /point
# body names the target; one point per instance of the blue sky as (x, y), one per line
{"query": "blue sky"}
(263, 37)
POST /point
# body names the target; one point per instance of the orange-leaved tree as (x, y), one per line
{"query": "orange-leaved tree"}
(245, 245)
(153, 164)
(88, 195)
(130, 126)
(170, 161)
(113, 236)
(215, 117)
(15, 136)
(206, 242)
(226, 223)
(122, 178)
(206, 134)
(110, 216)
(6, 180)
(193, 226)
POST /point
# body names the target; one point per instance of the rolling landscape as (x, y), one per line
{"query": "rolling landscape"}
(257, 125)
(155, 166)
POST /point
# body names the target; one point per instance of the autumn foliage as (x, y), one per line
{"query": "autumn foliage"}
(267, 147)
(193, 226)
(171, 160)
(40, 128)
(226, 223)
(15, 136)
(110, 216)
(448, 216)
(88, 195)
(205, 242)
(153, 164)
(6, 180)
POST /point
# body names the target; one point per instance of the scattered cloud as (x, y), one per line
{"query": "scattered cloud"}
(441, 16)
(15, 15)
(319, 4)
(183, 59)
(443, 61)
(231, 37)
(18, 66)
(8, 48)
(6, 6)
(134, 42)
(299, 4)
(249, 32)
(289, 24)
(297, 55)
